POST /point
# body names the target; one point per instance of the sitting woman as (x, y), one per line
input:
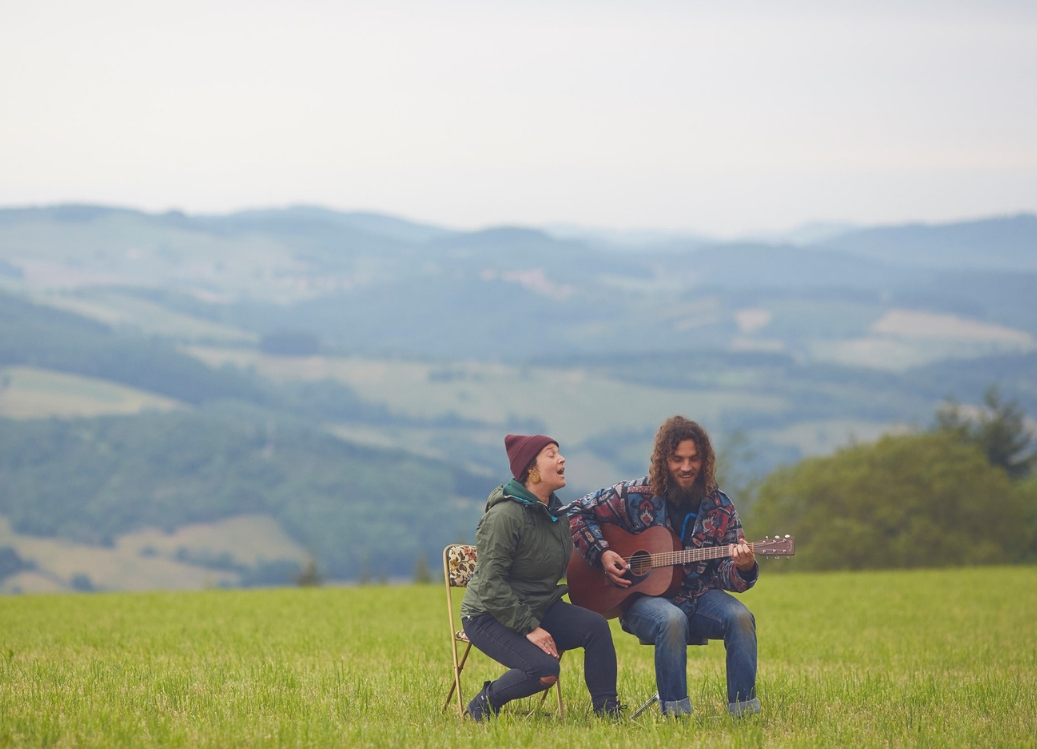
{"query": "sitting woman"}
(513, 609)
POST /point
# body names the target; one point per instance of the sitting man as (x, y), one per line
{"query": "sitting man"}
(681, 494)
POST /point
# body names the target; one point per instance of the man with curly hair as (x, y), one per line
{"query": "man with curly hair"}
(681, 494)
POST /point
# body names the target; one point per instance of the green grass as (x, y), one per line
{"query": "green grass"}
(929, 658)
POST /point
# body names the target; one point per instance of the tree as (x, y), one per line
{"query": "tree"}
(920, 500)
(734, 477)
(1028, 492)
(310, 576)
(422, 576)
(82, 582)
(999, 430)
(11, 563)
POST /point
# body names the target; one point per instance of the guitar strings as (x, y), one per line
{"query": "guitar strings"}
(684, 556)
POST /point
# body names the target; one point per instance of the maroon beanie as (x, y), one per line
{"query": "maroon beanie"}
(522, 450)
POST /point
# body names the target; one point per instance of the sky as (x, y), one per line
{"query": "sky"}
(715, 118)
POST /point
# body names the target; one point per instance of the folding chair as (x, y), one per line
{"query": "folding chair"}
(458, 566)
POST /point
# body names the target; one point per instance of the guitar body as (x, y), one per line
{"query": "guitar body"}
(590, 588)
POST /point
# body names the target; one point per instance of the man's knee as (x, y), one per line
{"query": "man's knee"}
(672, 625)
(741, 620)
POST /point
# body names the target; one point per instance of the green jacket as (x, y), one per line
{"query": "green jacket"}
(522, 551)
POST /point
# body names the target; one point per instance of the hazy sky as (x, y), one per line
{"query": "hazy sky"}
(718, 117)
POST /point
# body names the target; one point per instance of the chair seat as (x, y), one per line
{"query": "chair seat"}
(691, 641)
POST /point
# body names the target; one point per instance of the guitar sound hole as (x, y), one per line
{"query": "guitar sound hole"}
(640, 565)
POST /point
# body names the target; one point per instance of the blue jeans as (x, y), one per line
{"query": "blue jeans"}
(571, 627)
(717, 615)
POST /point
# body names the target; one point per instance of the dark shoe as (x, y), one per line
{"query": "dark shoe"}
(480, 708)
(612, 708)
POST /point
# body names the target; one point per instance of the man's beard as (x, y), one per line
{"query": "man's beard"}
(683, 496)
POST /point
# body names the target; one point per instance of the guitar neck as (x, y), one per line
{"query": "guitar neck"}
(649, 554)
(687, 556)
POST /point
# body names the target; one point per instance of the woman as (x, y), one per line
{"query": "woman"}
(513, 609)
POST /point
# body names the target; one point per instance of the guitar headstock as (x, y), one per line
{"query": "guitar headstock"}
(775, 547)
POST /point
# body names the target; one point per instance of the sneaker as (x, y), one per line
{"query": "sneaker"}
(480, 708)
(612, 708)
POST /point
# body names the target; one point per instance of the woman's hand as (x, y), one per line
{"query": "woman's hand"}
(543, 640)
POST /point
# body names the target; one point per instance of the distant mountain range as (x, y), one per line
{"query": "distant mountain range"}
(324, 272)
(423, 346)
(1000, 243)
(1006, 244)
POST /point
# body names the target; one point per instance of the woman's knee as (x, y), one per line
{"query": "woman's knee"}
(548, 670)
(598, 629)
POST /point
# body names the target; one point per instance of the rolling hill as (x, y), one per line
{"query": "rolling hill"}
(423, 347)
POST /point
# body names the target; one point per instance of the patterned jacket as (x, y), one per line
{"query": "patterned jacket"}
(632, 506)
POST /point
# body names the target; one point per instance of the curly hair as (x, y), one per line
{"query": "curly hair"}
(673, 431)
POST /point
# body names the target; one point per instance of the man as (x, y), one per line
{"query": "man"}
(681, 494)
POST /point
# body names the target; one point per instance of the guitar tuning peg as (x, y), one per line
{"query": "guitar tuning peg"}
(766, 537)
(787, 536)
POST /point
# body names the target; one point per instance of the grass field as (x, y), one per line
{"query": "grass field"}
(32, 393)
(927, 658)
(569, 401)
(148, 559)
(123, 310)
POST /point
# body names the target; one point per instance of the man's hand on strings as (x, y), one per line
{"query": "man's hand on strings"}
(615, 567)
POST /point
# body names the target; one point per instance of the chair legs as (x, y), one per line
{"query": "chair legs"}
(648, 703)
(455, 687)
(558, 692)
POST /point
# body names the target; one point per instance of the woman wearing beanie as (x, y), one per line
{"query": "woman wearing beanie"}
(513, 609)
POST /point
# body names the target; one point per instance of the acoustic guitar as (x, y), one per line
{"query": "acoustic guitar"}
(655, 557)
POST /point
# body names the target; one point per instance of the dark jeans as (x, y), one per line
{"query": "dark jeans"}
(571, 627)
